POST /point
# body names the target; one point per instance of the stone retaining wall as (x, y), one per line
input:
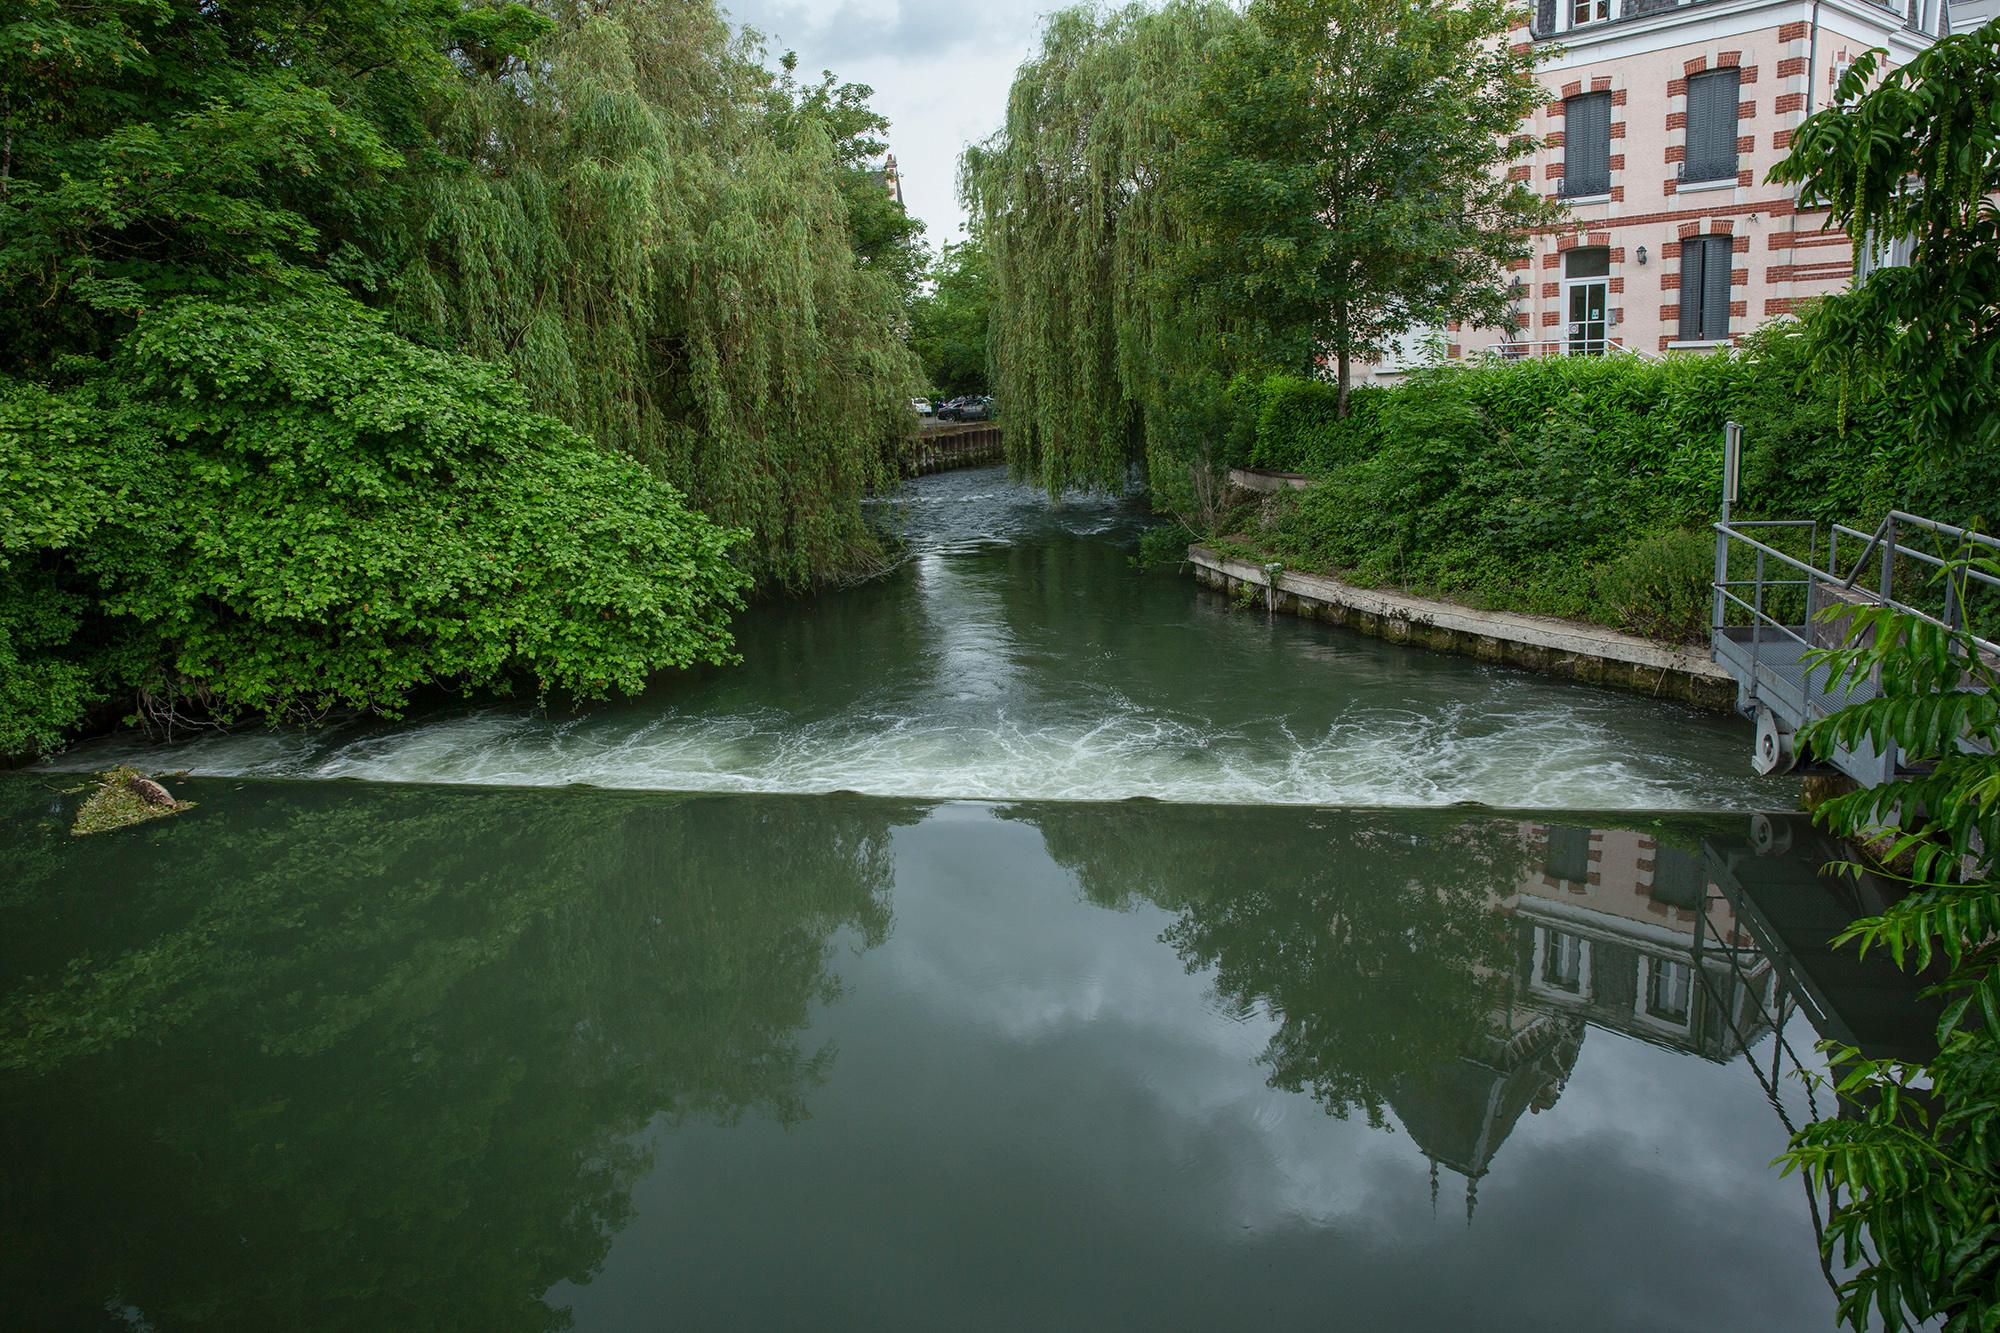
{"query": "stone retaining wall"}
(1536, 643)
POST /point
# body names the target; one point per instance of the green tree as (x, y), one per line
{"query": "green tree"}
(1094, 360)
(277, 509)
(1913, 155)
(653, 234)
(1345, 163)
(948, 327)
(1914, 1173)
(885, 237)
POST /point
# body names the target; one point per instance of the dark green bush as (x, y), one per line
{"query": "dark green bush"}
(1519, 485)
(271, 511)
(1661, 587)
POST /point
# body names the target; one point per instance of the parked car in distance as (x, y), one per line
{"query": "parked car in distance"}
(972, 407)
(921, 406)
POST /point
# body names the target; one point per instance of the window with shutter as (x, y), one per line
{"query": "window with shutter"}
(1587, 145)
(1711, 126)
(1705, 264)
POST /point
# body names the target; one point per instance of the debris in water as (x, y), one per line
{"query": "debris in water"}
(125, 796)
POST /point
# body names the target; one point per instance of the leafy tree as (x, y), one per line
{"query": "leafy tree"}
(1345, 161)
(1914, 1174)
(948, 327)
(1093, 357)
(884, 235)
(655, 237)
(279, 509)
(1916, 157)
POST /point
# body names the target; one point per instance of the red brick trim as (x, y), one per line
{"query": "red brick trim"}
(1793, 32)
(1789, 102)
(1728, 59)
(1791, 67)
(1601, 83)
(1698, 65)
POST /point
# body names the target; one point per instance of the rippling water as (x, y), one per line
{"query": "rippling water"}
(1016, 655)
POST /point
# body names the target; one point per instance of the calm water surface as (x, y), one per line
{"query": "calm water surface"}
(415, 1052)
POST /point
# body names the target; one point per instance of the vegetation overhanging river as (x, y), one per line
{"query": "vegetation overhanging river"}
(1275, 1049)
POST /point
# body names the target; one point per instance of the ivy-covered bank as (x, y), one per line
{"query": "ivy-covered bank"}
(1576, 486)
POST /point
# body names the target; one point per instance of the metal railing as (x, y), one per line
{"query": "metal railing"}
(1766, 624)
(1521, 349)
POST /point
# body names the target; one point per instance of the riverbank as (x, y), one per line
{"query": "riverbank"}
(1546, 644)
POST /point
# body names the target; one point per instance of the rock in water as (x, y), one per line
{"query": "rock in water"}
(151, 792)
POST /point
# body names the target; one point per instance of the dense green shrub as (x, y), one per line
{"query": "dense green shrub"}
(1661, 587)
(280, 509)
(1517, 484)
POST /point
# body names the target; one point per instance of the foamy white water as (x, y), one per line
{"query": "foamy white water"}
(1015, 657)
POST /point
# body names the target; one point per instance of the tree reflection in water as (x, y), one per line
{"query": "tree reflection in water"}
(1435, 966)
(375, 1058)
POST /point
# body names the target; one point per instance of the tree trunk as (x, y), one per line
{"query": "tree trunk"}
(1341, 356)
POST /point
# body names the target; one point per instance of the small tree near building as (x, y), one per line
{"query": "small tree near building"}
(1346, 171)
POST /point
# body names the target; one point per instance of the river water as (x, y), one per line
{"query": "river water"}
(850, 992)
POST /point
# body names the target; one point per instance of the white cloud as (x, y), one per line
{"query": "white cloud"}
(940, 73)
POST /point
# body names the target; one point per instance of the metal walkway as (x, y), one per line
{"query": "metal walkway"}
(1776, 604)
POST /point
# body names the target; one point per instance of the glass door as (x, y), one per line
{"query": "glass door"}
(1586, 301)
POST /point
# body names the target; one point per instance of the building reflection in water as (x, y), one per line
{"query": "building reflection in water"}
(1706, 948)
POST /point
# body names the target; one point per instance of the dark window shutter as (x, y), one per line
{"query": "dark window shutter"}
(1587, 144)
(1715, 288)
(1692, 287)
(1712, 107)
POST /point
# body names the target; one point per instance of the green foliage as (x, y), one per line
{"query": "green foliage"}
(1344, 163)
(948, 326)
(1914, 1171)
(1913, 154)
(1094, 357)
(1661, 587)
(663, 257)
(1518, 484)
(279, 509)
(885, 238)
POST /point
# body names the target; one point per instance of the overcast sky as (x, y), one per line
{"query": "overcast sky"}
(940, 71)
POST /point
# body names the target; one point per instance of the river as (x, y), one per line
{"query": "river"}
(849, 989)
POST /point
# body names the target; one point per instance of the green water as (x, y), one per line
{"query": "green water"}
(392, 1054)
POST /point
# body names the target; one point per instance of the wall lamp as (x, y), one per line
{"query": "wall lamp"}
(1642, 254)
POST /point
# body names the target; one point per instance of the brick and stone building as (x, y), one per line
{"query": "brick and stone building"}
(1662, 124)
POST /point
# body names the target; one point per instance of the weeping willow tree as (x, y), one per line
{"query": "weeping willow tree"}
(620, 225)
(1095, 357)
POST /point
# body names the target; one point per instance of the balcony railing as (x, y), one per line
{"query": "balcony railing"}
(1521, 349)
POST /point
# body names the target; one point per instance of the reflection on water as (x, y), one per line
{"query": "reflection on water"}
(367, 1057)
(1017, 656)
